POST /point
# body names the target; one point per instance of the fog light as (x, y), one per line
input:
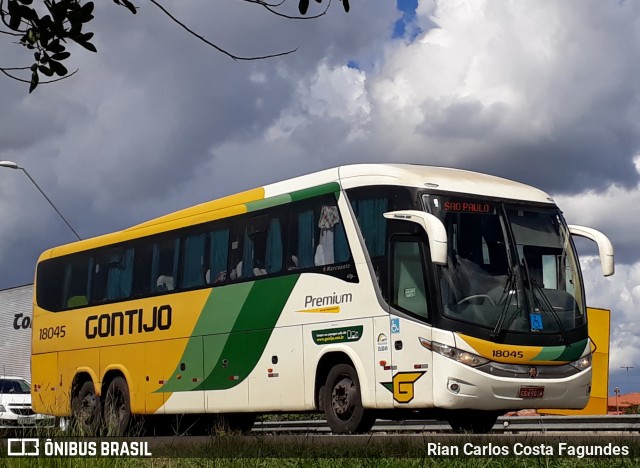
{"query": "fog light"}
(454, 387)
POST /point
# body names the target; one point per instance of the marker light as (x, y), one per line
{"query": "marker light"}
(463, 357)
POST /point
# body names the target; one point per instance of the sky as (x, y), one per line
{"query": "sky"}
(546, 93)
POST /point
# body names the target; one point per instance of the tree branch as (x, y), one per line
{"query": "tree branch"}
(218, 48)
(5, 71)
(270, 7)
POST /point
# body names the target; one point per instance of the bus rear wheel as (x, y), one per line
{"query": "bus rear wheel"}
(342, 402)
(86, 409)
(117, 408)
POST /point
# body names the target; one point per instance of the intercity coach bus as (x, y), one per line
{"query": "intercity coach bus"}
(362, 291)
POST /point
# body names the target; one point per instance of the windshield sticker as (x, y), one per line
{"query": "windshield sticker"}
(536, 322)
(337, 335)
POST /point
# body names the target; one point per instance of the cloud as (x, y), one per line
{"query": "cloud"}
(621, 294)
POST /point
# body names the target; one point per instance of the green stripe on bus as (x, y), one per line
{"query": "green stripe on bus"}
(218, 316)
(294, 196)
(244, 346)
(268, 202)
(562, 353)
(331, 187)
(573, 352)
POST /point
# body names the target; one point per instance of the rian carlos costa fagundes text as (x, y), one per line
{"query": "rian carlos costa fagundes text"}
(561, 449)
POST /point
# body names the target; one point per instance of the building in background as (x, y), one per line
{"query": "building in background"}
(15, 331)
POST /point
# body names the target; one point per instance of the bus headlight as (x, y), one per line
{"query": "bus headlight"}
(582, 363)
(463, 357)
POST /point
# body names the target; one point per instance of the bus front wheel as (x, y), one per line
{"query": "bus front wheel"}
(342, 403)
(117, 408)
(86, 409)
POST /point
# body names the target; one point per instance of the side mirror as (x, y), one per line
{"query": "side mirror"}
(432, 226)
(605, 248)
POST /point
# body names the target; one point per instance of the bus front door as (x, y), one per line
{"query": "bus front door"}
(411, 383)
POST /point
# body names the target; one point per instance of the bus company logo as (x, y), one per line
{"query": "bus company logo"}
(128, 322)
(402, 385)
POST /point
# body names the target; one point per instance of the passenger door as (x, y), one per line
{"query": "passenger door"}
(410, 318)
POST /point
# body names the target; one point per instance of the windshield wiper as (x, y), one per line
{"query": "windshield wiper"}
(514, 280)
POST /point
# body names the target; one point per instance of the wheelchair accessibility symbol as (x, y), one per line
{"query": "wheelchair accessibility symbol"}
(395, 325)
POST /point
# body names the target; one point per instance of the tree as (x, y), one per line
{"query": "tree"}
(63, 21)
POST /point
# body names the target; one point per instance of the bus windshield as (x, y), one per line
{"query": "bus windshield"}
(510, 268)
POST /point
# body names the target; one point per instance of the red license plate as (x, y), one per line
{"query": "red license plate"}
(531, 392)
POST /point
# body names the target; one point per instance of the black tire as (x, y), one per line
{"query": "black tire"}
(342, 402)
(474, 422)
(86, 410)
(117, 408)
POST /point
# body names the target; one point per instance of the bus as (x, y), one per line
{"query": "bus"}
(361, 292)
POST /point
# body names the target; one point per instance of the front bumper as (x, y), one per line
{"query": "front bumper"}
(457, 386)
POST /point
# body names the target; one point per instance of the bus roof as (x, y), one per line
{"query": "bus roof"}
(350, 176)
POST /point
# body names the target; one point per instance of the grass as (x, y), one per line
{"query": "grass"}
(228, 448)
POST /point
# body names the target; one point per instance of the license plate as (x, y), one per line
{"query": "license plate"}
(531, 392)
(26, 421)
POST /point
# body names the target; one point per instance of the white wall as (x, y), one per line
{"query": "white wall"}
(15, 331)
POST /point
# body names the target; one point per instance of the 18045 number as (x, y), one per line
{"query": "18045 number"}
(503, 353)
(50, 333)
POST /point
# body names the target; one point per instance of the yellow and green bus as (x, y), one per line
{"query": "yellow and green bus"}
(362, 291)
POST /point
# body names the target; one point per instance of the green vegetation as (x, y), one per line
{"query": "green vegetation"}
(229, 448)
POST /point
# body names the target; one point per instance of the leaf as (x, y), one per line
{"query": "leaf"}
(130, 6)
(303, 6)
(55, 47)
(60, 56)
(45, 70)
(58, 68)
(87, 8)
(15, 16)
(35, 79)
(88, 46)
(84, 37)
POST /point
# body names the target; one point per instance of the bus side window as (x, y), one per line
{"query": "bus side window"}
(78, 282)
(274, 254)
(218, 256)
(193, 262)
(113, 275)
(142, 267)
(302, 243)
(165, 264)
(332, 242)
(236, 252)
(369, 212)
